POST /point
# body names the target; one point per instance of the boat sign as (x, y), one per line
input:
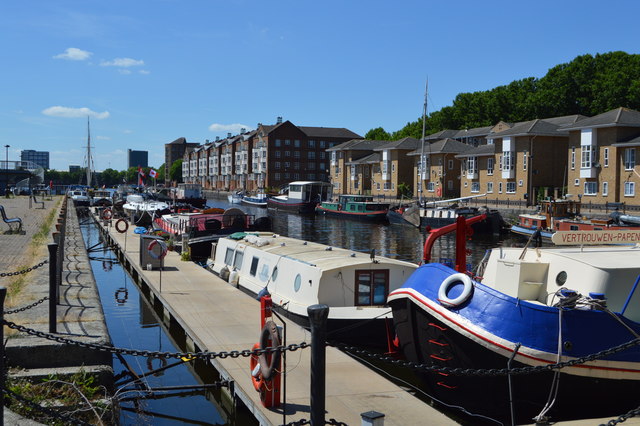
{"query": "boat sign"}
(596, 237)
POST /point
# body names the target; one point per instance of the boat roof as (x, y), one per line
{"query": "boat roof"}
(309, 182)
(601, 257)
(533, 216)
(318, 255)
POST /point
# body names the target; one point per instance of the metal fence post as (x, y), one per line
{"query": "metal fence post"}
(53, 286)
(318, 321)
(3, 375)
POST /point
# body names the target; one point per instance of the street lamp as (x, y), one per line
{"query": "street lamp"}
(6, 168)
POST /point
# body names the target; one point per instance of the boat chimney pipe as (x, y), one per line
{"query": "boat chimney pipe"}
(461, 244)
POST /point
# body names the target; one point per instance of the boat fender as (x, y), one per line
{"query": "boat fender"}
(107, 214)
(269, 362)
(122, 226)
(463, 297)
(234, 277)
(224, 273)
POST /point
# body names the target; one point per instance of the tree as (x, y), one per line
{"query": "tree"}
(377, 134)
(175, 172)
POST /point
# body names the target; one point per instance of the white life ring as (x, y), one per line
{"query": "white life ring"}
(157, 249)
(107, 214)
(444, 287)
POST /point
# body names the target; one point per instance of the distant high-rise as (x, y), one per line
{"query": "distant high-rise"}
(137, 158)
(41, 158)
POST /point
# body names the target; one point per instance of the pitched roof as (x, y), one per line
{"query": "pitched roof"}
(374, 158)
(404, 143)
(479, 151)
(619, 117)
(443, 146)
(329, 132)
(358, 145)
(442, 134)
(178, 141)
(540, 127)
(472, 133)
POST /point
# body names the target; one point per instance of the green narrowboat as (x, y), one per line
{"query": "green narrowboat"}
(360, 207)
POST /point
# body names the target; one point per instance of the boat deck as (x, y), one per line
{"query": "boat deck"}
(216, 316)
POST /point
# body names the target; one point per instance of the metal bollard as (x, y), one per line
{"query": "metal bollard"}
(3, 373)
(318, 321)
(372, 418)
(53, 287)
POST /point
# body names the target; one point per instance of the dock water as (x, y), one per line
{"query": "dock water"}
(216, 317)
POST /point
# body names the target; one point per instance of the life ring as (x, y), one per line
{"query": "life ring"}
(157, 249)
(255, 372)
(107, 214)
(163, 364)
(444, 288)
(439, 191)
(269, 362)
(120, 229)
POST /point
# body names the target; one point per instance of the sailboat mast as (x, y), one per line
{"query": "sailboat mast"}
(88, 170)
(424, 125)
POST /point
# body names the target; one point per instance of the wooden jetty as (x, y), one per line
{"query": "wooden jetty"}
(216, 316)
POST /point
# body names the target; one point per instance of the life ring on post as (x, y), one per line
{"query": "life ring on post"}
(269, 362)
(439, 191)
(107, 214)
(122, 229)
(255, 372)
(462, 297)
(157, 249)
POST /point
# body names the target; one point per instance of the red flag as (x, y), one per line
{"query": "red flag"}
(153, 173)
(140, 171)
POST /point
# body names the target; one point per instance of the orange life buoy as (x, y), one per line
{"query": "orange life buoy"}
(121, 229)
(107, 214)
(439, 192)
(157, 249)
(256, 379)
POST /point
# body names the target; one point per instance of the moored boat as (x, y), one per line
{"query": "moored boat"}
(259, 199)
(360, 207)
(102, 198)
(531, 309)
(299, 274)
(301, 197)
(80, 197)
(235, 197)
(142, 210)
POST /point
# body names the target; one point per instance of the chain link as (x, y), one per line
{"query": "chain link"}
(24, 308)
(303, 422)
(24, 271)
(156, 354)
(492, 371)
(623, 418)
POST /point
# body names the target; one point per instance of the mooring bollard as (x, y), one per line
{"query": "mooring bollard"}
(372, 418)
(53, 287)
(3, 374)
(318, 321)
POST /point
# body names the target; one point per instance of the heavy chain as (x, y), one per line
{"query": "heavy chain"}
(24, 308)
(24, 271)
(303, 422)
(156, 354)
(65, 418)
(624, 417)
(491, 371)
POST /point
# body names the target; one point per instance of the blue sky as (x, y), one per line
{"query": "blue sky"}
(149, 72)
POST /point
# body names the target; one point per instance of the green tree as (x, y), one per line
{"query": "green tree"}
(175, 172)
(377, 134)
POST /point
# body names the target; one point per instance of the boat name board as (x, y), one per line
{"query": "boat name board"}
(595, 237)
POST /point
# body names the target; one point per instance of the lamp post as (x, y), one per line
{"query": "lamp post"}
(6, 169)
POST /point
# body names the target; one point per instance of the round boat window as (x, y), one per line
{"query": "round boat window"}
(297, 283)
(274, 274)
(561, 278)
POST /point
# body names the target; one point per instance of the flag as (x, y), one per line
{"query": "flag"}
(140, 176)
(140, 171)
(153, 173)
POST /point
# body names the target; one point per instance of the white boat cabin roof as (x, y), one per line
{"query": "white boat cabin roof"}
(533, 216)
(314, 254)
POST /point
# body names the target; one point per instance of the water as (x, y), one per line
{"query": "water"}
(132, 323)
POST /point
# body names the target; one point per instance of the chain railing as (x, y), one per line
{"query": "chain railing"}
(24, 271)
(25, 308)
(623, 418)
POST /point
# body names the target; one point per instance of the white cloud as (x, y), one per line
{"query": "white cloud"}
(74, 54)
(233, 128)
(66, 112)
(125, 71)
(127, 131)
(123, 62)
(145, 72)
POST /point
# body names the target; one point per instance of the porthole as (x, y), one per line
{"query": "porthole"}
(274, 274)
(297, 283)
(561, 278)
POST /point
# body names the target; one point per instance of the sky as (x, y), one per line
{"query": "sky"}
(149, 72)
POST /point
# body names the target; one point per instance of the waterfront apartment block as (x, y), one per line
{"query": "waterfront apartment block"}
(266, 158)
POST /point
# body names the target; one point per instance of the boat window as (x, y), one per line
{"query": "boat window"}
(274, 274)
(574, 227)
(264, 272)
(297, 283)
(561, 278)
(372, 287)
(254, 266)
(237, 263)
(228, 257)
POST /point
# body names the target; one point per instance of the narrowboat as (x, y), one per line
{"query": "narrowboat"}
(360, 207)
(301, 197)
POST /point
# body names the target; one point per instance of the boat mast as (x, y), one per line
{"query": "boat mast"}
(424, 124)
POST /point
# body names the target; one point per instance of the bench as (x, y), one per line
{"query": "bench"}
(10, 221)
(33, 198)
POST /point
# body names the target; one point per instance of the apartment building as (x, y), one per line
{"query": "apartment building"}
(174, 151)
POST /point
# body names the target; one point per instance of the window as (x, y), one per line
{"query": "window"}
(254, 266)
(312, 143)
(311, 155)
(322, 154)
(629, 158)
(576, 182)
(507, 160)
(450, 164)
(431, 186)
(277, 154)
(511, 187)
(228, 256)
(287, 142)
(605, 188)
(591, 188)
(500, 162)
(573, 158)
(629, 189)
(323, 144)
(277, 164)
(475, 186)
(500, 187)
(586, 157)
(296, 154)
(277, 176)
(490, 166)
(287, 153)
(450, 185)
(287, 164)
(606, 157)
(278, 143)
(520, 182)
(372, 287)
(387, 186)
(490, 187)
(524, 161)
(472, 165)
(296, 143)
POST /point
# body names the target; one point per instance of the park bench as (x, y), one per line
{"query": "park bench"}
(10, 221)
(35, 201)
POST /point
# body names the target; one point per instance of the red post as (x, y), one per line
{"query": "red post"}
(265, 310)
(461, 244)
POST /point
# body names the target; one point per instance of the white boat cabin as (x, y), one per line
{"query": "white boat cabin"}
(310, 191)
(298, 274)
(536, 275)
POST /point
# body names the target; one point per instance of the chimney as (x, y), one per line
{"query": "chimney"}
(243, 131)
(217, 138)
(229, 134)
(279, 120)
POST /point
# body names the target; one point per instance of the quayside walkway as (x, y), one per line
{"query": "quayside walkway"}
(217, 317)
